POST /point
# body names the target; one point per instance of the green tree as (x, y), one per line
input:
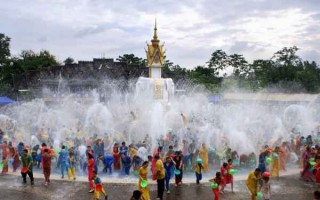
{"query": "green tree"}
(35, 61)
(131, 59)
(240, 66)
(68, 61)
(4, 48)
(219, 61)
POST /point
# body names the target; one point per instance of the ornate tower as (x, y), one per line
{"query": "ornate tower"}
(155, 87)
(155, 55)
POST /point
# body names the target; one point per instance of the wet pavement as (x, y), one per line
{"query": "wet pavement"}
(11, 187)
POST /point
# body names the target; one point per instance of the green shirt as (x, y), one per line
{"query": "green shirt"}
(27, 162)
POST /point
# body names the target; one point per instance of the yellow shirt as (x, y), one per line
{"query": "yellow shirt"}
(252, 183)
(160, 168)
(143, 173)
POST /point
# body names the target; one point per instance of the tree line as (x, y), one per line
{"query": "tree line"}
(285, 71)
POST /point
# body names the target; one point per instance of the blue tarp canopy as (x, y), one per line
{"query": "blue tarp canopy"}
(214, 99)
(5, 100)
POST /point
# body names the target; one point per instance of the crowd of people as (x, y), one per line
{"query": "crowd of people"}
(172, 157)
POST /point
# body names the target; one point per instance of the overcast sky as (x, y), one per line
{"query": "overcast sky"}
(192, 30)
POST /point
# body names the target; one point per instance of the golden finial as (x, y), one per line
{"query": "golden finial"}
(155, 35)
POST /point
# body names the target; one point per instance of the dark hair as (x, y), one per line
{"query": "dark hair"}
(170, 147)
(136, 194)
(25, 150)
(123, 143)
(218, 174)
(63, 147)
(316, 194)
(94, 172)
(229, 160)
(44, 144)
(225, 165)
(145, 162)
(90, 156)
(157, 157)
(257, 170)
(46, 150)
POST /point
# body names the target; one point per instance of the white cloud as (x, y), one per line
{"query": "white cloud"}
(192, 30)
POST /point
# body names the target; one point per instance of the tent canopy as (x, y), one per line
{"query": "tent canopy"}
(5, 100)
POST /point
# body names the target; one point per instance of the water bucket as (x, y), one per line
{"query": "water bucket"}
(144, 183)
(266, 174)
(312, 163)
(233, 171)
(199, 160)
(268, 160)
(259, 195)
(24, 169)
(275, 155)
(214, 185)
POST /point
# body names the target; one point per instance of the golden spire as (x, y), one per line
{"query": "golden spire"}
(155, 35)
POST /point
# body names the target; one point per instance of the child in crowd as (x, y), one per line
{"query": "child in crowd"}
(225, 172)
(72, 166)
(98, 186)
(27, 163)
(198, 167)
(252, 182)
(265, 186)
(46, 165)
(218, 180)
(168, 165)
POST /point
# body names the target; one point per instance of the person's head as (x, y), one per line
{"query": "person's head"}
(308, 148)
(168, 159)
(203, 145)
(123, 143)
(90, 156)
(316, 195)
(229, 161)
(88, 147)
(257, 172)
(157, 157)
(149, 158)
(277, 148)
(145, 164)
(170, 147)
(225, 165)
(136, 195)
(46, 150)
(94, 174)
(43, 144)
(63, 147)
(160, 148)
(218, 174)
(100, 157)
(25, 152)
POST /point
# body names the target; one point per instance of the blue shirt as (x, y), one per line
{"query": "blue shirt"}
(63, 156)
(108, 160)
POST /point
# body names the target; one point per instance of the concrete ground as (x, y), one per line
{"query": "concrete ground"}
(289, 187)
